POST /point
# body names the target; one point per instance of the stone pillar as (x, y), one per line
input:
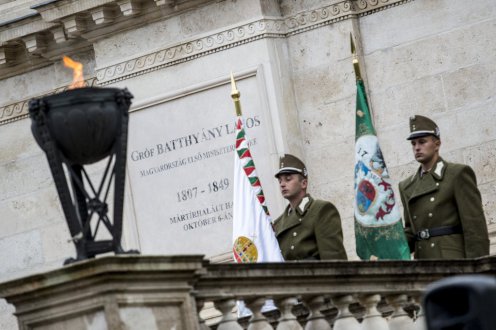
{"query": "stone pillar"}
(117, 292)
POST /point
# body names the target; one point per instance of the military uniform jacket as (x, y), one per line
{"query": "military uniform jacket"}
(311, 231)
(445, 196)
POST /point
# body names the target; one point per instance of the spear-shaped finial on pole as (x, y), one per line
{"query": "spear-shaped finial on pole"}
(356, 64)
(235, 96)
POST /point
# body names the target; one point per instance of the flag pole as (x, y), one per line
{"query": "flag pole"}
(359, 81)
(253, 236)
(235, 96)
(356, 64)
(358, 74)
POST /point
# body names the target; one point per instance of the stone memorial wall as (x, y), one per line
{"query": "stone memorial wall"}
(181, 166)
(292, 63)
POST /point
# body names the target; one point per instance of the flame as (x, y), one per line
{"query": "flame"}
(78, 79)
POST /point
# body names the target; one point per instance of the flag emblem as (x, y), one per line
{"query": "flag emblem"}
(245, 250)
(374, 195)
(365, 195)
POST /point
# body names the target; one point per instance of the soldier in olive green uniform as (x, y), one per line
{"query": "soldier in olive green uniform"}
(308, 228)
(444, 218)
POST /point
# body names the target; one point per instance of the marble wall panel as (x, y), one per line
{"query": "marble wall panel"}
(429, 56)
(56, 242)
(421, 19)
(328, 125)
(28, 211)
(281, 97)
(322, 70)
(20, 252)
(331, 162)
(470, 86)
(18, 177)
(396, 104)
(482, 158)
(19, 87)
(468, 127)
(317, 86)
(323, 46)
(17, 142)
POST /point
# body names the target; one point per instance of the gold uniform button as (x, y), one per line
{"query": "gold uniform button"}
(432, 199)
(292, 247)
(415, 217)
(294, 234)
(432, 244)
(437, 183)
(430, 215)
(299, 219)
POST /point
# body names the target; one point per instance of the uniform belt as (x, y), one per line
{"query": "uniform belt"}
(425, 234)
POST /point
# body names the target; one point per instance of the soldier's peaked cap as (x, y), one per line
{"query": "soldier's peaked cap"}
(289, 164)
(422, 126)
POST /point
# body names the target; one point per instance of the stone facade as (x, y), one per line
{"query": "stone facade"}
(293, 63)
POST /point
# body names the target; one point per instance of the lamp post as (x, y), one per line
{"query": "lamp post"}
(79, 127)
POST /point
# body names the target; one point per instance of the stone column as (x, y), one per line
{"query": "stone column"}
(117, 292)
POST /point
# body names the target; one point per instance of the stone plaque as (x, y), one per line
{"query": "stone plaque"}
(181, 162)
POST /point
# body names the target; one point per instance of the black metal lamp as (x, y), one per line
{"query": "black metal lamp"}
(79, 127)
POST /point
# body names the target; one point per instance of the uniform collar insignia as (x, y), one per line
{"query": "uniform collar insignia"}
(303, 203)
(439, 168)
(301, 207)
(438, 171)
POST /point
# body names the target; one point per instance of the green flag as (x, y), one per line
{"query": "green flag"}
(378, 225)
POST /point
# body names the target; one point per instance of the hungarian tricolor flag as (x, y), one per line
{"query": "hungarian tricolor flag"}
(253, 237)
(378, 226)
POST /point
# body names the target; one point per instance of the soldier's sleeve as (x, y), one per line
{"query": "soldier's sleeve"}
(409, 233)
(329, 234)
(469, 203)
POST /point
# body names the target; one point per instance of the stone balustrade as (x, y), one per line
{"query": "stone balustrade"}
(167, 292)
(318, 295)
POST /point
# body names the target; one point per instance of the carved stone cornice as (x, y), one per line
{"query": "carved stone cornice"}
(335, 12)
(28, 26)
(19, 110)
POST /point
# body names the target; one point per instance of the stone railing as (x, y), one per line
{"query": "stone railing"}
(346, 295)
(167, 292)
